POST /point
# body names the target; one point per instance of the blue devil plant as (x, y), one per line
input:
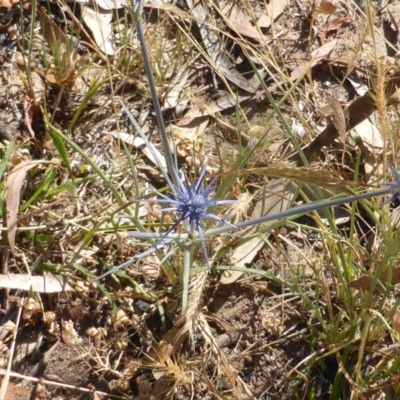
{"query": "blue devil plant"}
(192, 202)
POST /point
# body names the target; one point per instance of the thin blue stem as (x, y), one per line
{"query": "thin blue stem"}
(299, 210)
(172, 170)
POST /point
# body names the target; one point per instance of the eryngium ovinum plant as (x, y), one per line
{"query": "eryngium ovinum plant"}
(194, 202)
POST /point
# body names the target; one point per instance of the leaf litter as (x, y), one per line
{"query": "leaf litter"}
(218, 89)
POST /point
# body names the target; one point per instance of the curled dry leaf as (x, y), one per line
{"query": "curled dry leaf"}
(364, 282)
(43, 284)
(13, 186)
(72, 311)
(69, 79)
(336, 24)
(316, 57)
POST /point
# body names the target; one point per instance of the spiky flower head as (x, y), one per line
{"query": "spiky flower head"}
(192, 203)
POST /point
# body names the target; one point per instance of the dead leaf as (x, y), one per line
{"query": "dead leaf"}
(240, 22)
(193, 128)
(355, 113)
(42, 284)
(175, 88)
(276, 199)
(327, 6)
(371, 143)
(334, 25)
(273, 10)
(364, 282)
(152, 154)
(189, 142)
(335, 111)
(359, 86)
(370, 136)
(72, 311)
(13, 186)
(216, 51)
(34, 119)
(69, 79)
(100, 24)
(316, 57)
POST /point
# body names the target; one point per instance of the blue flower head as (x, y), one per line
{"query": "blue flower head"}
(192, 202)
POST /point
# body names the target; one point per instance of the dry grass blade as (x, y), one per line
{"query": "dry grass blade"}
(42, 284)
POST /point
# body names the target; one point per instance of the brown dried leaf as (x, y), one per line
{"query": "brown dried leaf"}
(316, 56)
(216, 51)
(72, 311)
(13, 186)
(273, 10)
(364, 282)
(336, 24)
(335, 111)
(43, 284)
(371, 142)
(355, 113)
(327, 6)
(67, 80)
(240, 22)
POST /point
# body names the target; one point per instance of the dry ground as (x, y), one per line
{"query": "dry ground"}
(264, 341)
